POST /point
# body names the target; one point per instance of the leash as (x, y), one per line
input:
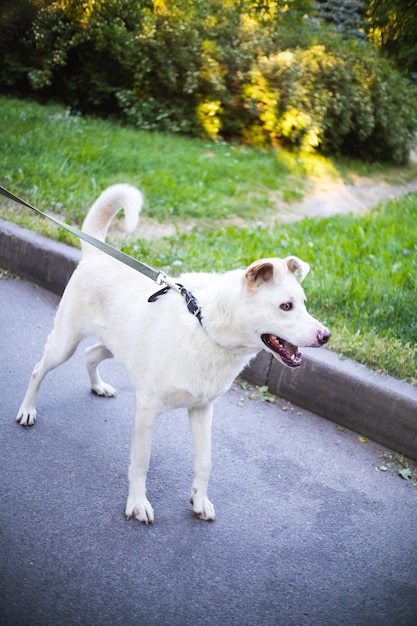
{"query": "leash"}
(160, 278)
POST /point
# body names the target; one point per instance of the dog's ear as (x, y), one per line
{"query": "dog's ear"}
(259, 272)
(298, 267)
(264, 271)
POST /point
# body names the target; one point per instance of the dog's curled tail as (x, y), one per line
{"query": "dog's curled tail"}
(106, 206)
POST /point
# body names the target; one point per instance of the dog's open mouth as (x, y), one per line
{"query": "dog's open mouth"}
(284, 350)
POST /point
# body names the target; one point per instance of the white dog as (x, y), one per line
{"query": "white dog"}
(173, 359)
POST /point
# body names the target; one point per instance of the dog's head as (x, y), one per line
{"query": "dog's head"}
(273, 287)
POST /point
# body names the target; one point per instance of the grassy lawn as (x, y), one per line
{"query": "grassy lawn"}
(63, 162)
(363, 282)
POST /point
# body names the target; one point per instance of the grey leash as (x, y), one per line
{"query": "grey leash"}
(159, 277)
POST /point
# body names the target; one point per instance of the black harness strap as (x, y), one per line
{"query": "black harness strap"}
(190, 300)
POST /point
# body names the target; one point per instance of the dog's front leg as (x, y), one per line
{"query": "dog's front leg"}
(200, 422)
(138, 506)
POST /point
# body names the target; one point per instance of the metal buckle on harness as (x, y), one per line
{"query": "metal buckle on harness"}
(161, 279)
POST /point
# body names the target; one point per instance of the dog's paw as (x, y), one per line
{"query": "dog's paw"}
(202, 507)
(104, 390)
(141, 510)
(26, 417)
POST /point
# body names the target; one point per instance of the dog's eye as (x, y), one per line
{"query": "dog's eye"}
(287, 306)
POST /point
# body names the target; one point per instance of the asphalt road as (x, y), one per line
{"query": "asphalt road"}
(307, 531)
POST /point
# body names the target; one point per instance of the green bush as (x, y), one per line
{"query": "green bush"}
(85, 55)
(246, 71)
(344, 99)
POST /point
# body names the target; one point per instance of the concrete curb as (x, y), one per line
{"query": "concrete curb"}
(40, 259)
(376, 406)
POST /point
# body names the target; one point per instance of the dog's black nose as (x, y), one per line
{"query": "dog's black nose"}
(323, 337)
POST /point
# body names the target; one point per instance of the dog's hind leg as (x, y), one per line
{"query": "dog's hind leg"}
(200, 422)
(59, 347)
(93, 357)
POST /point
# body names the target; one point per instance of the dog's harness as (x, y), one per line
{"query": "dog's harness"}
(190, 300)
(159, 277)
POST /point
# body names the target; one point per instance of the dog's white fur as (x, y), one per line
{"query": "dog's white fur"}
(172, 360)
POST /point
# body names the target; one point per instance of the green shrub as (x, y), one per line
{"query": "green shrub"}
(247, 71)
(85, 53)
(344, 100)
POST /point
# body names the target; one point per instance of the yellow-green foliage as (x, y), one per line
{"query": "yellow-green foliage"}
(249, 71)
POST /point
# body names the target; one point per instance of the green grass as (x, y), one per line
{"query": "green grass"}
(62, 161)
(364, 269)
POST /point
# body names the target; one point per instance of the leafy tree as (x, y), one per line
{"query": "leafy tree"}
(16, 42)
(393, 30)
